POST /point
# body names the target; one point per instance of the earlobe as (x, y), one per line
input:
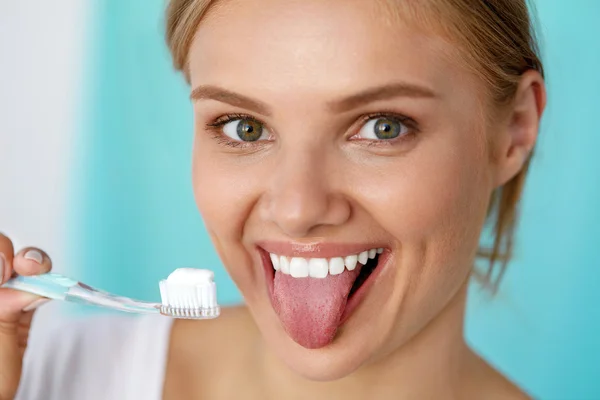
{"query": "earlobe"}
(520, 130)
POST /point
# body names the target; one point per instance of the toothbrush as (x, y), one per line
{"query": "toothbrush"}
(187, 293)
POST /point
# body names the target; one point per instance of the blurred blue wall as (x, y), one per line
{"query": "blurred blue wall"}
(136, 218)
(543, 329)
(135, 206)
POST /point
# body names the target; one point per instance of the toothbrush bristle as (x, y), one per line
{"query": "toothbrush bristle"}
(182, 300)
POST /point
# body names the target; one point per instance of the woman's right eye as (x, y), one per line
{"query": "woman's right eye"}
(245, 130)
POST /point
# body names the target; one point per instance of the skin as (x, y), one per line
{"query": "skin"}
(316, 179)
(16, 313)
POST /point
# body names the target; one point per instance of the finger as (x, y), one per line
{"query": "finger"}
(6, 258)
(25, 320)
(12, 339)
(14, 334)
(31, 261)
(23, 328)
(13, 303)
(13, 320)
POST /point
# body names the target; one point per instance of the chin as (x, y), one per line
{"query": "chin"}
(343, 356)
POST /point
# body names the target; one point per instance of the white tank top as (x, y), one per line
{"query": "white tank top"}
(108, 357)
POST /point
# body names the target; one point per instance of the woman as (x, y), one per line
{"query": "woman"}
(347, 155)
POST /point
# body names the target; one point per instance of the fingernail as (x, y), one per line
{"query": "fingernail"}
(2, 264)
(34, 255)
(35, 304)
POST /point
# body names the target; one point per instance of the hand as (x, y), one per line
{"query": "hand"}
(16, 311)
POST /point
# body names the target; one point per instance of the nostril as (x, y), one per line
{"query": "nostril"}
(298, 222)
(298, 215)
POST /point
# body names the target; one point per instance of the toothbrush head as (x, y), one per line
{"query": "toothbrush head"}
(189, 293)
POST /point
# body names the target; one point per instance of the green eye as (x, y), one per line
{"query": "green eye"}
(387, 129)
(383, 128)
(244, 129)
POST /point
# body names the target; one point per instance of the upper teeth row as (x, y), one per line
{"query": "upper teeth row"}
(299, 267)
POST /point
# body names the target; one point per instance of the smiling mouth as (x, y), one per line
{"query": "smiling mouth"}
(314, 296)
(320, 268)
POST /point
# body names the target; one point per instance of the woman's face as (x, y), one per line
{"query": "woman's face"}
(325, 130)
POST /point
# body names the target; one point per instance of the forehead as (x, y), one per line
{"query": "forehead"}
(317, 45)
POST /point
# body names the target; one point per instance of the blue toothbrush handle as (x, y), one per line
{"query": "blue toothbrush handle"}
(50, 285)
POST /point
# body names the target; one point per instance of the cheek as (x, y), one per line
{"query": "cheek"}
(436, 200)
(225, 196)
(435, 204)
(222, 191)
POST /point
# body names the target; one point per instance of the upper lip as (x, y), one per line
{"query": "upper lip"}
(316, 249)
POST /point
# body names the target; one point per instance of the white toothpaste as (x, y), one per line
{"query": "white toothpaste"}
(191, 276)
(189, 288)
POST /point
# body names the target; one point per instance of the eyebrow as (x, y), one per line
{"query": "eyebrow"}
(379, 93)
(210, 92)
(385, 92)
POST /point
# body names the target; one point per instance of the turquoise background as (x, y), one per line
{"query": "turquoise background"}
(135, 219)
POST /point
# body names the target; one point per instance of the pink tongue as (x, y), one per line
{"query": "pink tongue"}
(310, 308)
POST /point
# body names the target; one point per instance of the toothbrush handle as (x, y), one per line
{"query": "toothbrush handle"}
(58, 287)
(84, 294)
(50, 285)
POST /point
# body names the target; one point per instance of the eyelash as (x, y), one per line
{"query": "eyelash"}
(410, 123)
(215, 129)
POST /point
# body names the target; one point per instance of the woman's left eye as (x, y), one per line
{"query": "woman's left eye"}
(382, 128)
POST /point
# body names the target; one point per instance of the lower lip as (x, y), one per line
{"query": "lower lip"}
(357, 296)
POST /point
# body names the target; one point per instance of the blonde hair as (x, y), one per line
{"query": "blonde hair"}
(498, 43)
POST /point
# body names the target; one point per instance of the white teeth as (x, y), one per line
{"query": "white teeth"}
(284, 265)
(363, 257)
(275, 261)
(299, 267)
(318, 268)
(351, 262)
(336, 266)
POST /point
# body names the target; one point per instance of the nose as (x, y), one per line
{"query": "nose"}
(301, 194)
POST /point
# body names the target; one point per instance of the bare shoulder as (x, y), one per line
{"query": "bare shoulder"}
(201, 350)
(211, 339)
(484, 381)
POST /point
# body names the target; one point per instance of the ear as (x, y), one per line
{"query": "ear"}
(518, 132)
